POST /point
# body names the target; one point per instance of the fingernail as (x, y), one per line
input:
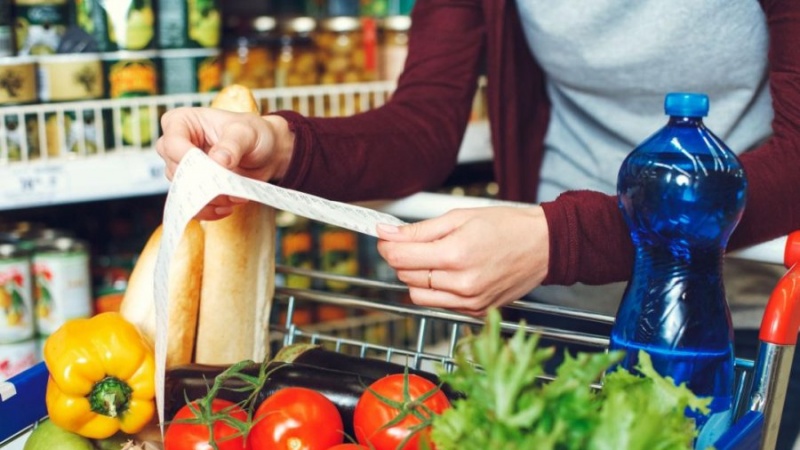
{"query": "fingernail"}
(223, 210)
(222, 157)
(389, 229)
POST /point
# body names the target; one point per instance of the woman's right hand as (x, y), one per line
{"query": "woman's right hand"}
(252, 146)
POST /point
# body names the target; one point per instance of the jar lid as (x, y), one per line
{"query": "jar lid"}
(299, 24)
(264, 24)
(686, 104)
(397, 23)
(341, 24)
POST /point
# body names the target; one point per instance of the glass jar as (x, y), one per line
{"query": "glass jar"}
(250, 55)
(394, 46)
(342, 52)
(296, 64)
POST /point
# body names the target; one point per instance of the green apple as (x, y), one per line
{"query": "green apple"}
(48, 436)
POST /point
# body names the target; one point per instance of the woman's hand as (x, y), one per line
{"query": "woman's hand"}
(253, 146)
(469, 259)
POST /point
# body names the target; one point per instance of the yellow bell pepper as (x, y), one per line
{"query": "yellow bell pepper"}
(102, 377)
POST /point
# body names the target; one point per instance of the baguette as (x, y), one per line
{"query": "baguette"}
(185, 281)
(239, 274)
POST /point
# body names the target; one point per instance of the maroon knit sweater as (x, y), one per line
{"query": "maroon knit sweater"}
(412, 142)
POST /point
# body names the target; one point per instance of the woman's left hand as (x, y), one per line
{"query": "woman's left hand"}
(469, 260)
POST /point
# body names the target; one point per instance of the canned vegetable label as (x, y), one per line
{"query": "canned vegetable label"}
(297, 251)
(189, 23)
(70, 77)
(131, 74)
(339, 250)
(16, 303)
(119, 25)
(39, 25)
(67, 135)
(17, 81)
(17, 357)
(62, 284)
(22, 139)
(6, 31)
(191, 71)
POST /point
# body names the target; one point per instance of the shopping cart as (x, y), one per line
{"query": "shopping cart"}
(380, 323)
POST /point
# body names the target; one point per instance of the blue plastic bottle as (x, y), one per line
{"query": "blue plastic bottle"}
(682, 192)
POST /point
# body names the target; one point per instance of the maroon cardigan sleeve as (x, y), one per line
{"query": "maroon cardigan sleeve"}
(589, 241)
(411, 143)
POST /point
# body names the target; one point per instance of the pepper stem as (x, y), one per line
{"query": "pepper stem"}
(110, 397)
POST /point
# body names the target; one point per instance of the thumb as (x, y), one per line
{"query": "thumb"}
(424, 231)
(235, 141)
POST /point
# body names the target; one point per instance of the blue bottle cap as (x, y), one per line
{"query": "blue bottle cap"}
(686, 104)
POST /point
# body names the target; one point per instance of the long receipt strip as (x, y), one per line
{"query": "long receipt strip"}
(197, 181)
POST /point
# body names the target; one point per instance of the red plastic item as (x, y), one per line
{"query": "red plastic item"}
(781, 320)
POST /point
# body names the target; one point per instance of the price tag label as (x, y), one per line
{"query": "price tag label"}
(34, 183)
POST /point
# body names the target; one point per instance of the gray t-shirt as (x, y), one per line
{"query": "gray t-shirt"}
(609, 64)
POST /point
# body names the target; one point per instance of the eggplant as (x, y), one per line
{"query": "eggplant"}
(341, 378)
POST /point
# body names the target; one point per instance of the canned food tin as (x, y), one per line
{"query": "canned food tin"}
(17, 357)
(70, 77)
(297, 250)
(116, 26)
(68, 136)
(131, 74)
(189, 24)
(191, 70)
(16, 302)
(17, 80)
(339, 250)
(39, 25)
(62, 283)
(6, 32)
(22, 139)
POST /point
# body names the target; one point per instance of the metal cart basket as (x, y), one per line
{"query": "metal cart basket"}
(377, 322)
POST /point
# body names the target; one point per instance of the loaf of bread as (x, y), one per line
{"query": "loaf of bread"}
(185, 281)
(239, 274)
(221, 279)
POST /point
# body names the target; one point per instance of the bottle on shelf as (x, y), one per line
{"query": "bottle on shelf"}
(682, 193)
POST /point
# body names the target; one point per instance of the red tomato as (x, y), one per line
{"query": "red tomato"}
(372, 413)
(195, 436)
(296, 418)
(348, 447)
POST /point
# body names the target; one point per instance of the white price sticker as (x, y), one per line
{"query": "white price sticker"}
(42, 182)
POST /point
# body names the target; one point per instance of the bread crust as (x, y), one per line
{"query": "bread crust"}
(185, 282)
(238, 284)
(238, 278)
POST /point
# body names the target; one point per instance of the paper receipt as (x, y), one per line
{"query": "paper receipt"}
(197, 181)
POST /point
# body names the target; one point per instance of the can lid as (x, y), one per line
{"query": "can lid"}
(264, 24)
(300, 24)
(341, 24)
(397, 23)
(686, 104)
(8, 249)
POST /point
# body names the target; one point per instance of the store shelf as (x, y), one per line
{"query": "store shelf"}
(90, 160)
